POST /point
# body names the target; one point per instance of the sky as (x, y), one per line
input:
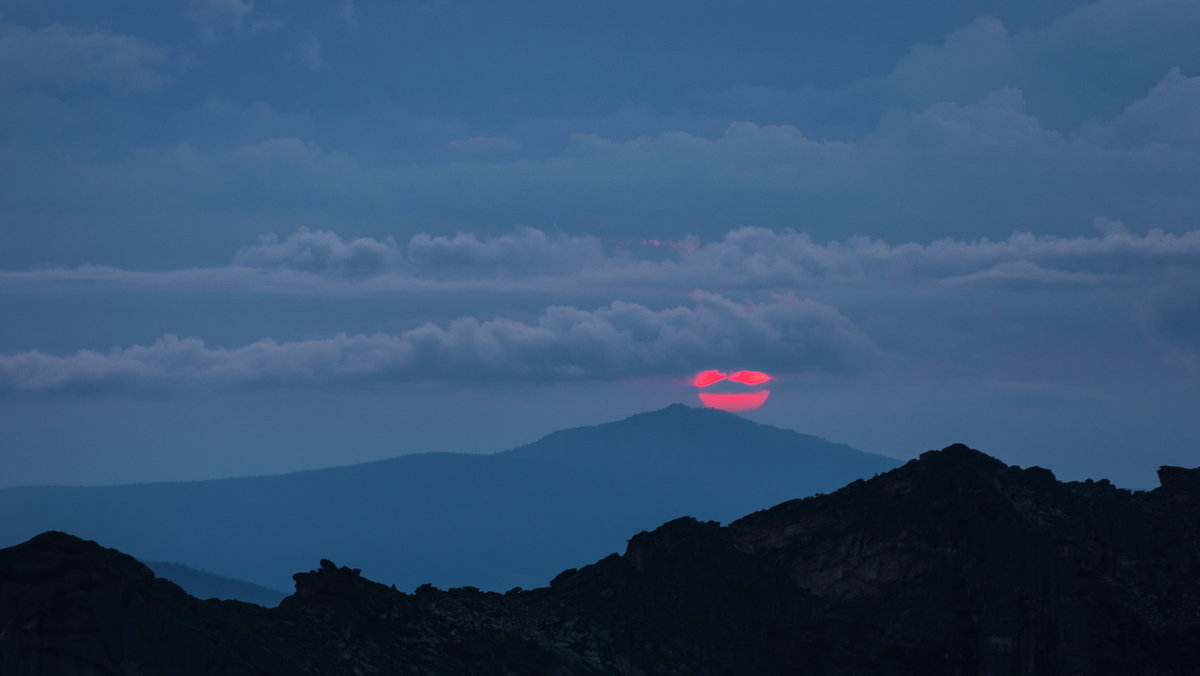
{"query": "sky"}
(243, 237)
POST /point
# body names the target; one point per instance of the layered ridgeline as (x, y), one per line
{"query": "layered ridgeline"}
(951, 564)
(205, 585)
(493, 521)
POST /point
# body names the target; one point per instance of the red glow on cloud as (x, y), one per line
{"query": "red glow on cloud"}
(669, 243)
(706, 378)
(750, 377)
(743, 401)
(675, 245)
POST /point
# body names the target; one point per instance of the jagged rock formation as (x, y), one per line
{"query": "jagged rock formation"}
(951, 564)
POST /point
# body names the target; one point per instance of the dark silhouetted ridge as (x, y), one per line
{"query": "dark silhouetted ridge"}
(953, 563)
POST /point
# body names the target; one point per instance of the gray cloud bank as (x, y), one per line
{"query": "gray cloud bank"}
(746, 258)
(749, 256)
(565, 343)
(945, 302)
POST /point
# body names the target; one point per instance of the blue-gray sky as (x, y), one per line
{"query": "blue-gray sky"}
(243, 237)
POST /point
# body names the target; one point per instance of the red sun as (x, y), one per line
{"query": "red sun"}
(732, 401)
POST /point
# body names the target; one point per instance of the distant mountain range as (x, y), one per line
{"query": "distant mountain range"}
(205, 585)
(952, 564)
(494, 521)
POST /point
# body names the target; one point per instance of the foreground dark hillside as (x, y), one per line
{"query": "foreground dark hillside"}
(953, 563)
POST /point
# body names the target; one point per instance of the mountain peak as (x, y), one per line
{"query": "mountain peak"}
(676, 412)
(55, 540)
(958, 458)
(56, 551)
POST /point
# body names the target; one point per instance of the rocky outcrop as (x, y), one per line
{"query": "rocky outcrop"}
(69, 606)
(952, 564)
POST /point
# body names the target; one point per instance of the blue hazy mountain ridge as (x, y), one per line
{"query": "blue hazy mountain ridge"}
(205, 585)
(514, 518)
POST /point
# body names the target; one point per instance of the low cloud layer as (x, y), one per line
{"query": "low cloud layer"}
(746, 258)
(1117, 302)
(565, 343)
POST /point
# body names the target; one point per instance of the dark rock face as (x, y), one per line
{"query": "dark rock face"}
(951, 564)
(69, 606)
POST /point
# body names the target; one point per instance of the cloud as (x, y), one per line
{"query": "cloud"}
(787, 334)
(749, 257)
(1173, 318)
(215, 18)
(485, 146)
(60, 57)
(525, 252)
(308, 54)
(1087, 62)
(980, 169)
(742, 261)
(348, 14)
(321, 252)
(1166, 117)
(761, 256)
(1084, 65)
(970, 62)
(963, 137)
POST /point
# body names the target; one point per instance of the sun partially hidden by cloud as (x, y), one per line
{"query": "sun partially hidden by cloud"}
(732, 400)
